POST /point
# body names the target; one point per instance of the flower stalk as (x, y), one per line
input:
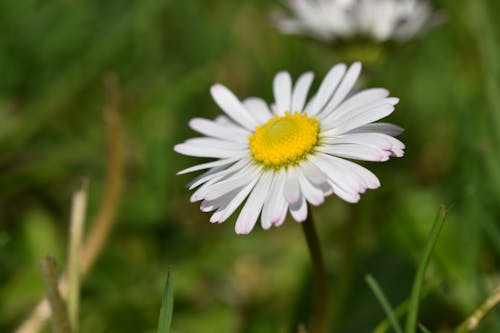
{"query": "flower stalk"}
(319, 317)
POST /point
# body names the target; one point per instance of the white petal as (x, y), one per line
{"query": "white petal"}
(311, 193)
(265, 216)
(326, 89)
(345, 87)
(253, 206)
(351, 197)
(282, 88)
(355, 151)
(313, 173)
(281, 213)
(316, 177)
(292, 189)
(216, 130)
(354, 102)
(273, 206)
(258, 109)
(378, 140)
(205, 142)
(329, 165)
(368, 139)
(300, 91)
(196, 196)
(299, 212)
(363, 175)
(211, 205)
(223, 214)
(208, 165)
(237, 180)
(386, 128)
(218, 172)
(364, 118)
(216, 217)
(226, 121)
(231, 105)
(190, 150)
(337, 120)
(288, 26)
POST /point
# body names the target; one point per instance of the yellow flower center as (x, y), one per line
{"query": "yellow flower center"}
(285, 140)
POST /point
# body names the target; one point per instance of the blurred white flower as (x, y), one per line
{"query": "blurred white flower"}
(380, 20)
(291, 153)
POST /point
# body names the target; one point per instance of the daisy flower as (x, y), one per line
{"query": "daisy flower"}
(294, 152)
(380, 20)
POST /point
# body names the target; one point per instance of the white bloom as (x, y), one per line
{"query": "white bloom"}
(292, 153)
(341, 19)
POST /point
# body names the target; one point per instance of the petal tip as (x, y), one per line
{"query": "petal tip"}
(179, 148)
(300, 219)
(242, 230)
(357, 65)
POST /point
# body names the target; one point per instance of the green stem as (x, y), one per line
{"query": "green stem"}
(318, 321)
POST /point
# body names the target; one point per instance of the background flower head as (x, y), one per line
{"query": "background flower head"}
(281, 157)
(380, 20)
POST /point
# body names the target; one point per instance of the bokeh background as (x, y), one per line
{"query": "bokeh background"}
(165, 54)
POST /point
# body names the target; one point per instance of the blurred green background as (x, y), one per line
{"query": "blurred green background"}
(166, 54)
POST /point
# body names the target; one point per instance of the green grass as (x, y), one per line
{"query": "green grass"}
(54, 56)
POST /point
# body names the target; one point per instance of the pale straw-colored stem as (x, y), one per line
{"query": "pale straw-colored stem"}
(475, 318)
(79, 207)
(103, 222)
(114, 178)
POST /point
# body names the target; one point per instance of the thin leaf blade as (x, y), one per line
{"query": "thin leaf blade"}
(384, 302)
(411, 320)
(167, 306)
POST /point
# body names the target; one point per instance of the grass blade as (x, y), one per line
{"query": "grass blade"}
(411, 320)
(401, 310)
(167, 307)
(423, 328)
(384, 302)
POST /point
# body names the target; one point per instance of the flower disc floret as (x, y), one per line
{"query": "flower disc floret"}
(284, 140)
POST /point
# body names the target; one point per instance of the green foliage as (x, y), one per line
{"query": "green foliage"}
(166, 54)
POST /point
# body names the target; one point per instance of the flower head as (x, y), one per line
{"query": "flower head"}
(380, 20)
(282, 157)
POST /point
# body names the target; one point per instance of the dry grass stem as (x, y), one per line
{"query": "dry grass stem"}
(472, 322)
(103, 222)
(57, 306)
(79, 207)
